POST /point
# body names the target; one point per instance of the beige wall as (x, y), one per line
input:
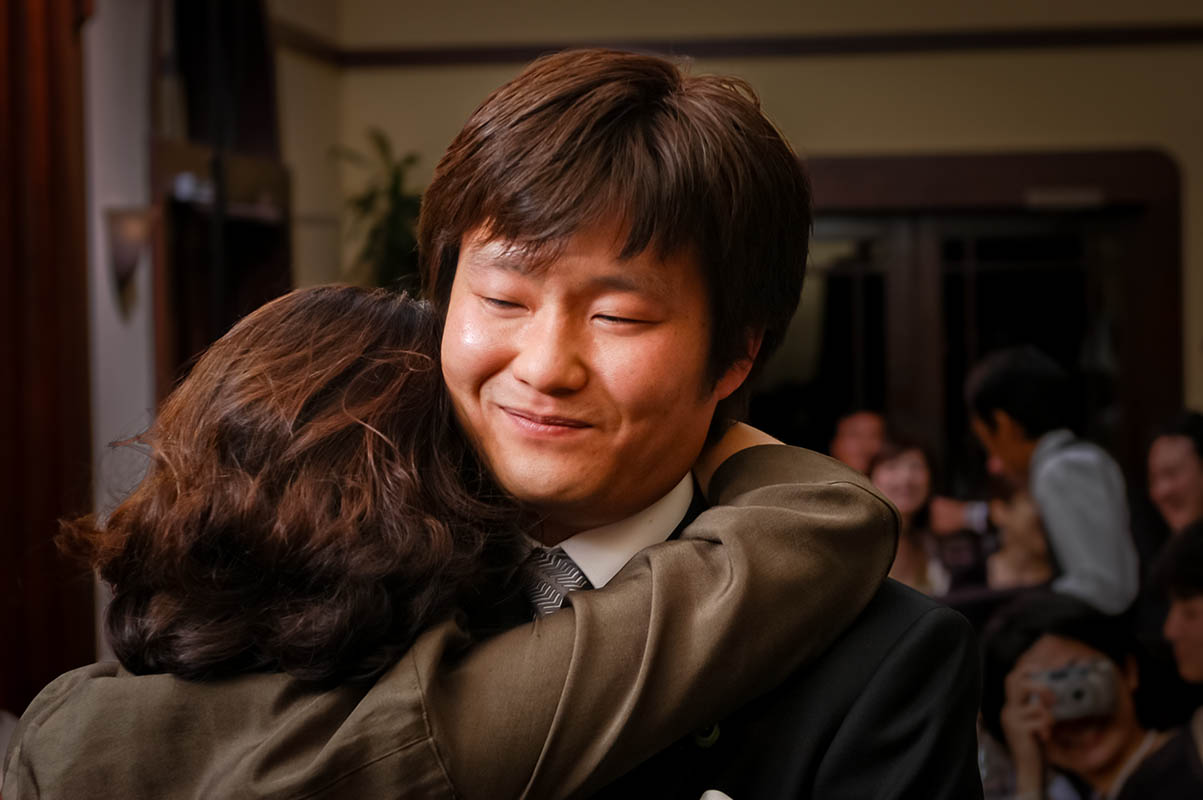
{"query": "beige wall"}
(309, 95)
(117, 129)
(984, 101)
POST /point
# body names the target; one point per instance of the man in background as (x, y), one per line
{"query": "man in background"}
(1176, 471)
(858, 438)
(1179, 574)
(1019, 405)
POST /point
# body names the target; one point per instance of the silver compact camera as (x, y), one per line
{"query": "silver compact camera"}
(1087, 689)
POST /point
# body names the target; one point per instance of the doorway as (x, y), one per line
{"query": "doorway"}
(919, 267)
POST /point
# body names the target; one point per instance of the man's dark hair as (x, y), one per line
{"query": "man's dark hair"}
(1178, 570)
(1041, 612)
(1025, 384)
(682, 163)
(1189, 425)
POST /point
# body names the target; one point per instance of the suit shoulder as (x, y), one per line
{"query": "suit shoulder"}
(66, 686)
(784, 464)
(900, 612)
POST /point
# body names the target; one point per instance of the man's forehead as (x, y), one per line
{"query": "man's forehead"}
(1174, 447)
(600, 247)
(861, 422)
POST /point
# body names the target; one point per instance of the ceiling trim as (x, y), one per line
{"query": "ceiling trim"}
(304, 41)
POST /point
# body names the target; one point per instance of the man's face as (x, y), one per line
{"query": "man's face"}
(857, 439)
(583, 383)
(1176, 480)
(1007, 447)
(1184, 630)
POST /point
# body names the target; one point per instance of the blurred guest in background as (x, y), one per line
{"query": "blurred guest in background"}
(1022, 557)
(1168, 620)
(1175, 501)
(949, 515)
(902, 471)
(1019, 411)
(858, 436)
(1176, 471)
(1179, 573)
(1059, 682)
(1014, 554)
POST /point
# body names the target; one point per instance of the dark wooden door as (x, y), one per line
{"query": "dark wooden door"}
(922, 266)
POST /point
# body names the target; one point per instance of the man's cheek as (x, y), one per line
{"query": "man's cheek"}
(461, 338)
(473, 334)
(470, 358)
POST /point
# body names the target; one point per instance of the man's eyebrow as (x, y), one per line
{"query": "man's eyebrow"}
(651, 284)
(498, 255)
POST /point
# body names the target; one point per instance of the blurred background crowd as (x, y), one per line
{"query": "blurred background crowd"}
(1072, 595)
(1000, 325)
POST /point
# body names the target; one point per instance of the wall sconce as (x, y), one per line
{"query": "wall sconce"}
(129, 234)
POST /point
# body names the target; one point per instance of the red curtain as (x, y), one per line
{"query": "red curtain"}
(46, 612)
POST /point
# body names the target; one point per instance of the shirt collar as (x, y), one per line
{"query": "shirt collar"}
(1049, 443)
(602, 552)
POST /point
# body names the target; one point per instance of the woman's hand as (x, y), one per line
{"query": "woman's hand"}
(1027, 724)
(738, 437)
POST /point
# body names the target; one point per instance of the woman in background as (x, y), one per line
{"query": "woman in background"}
(1022, 558)
(288, 581)
(902, 471)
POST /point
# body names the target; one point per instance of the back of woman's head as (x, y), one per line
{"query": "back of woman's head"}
(309, 506)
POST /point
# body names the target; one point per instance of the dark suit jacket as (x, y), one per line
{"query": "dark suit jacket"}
(888, 712)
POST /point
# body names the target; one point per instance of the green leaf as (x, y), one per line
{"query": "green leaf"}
(341, 152)
(384, 148)
(384, 214)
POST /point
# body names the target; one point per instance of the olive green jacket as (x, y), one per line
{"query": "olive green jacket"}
(690, 629)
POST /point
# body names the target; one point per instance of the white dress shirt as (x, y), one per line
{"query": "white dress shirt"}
(1080, 494)
(602, 552)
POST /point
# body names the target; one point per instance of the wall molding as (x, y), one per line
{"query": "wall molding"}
(316, 46)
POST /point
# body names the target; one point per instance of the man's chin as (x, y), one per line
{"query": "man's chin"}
(564, 509)
(550, 496)
(1190, 668)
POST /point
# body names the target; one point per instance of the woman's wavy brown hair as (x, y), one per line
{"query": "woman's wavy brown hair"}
(310, 504)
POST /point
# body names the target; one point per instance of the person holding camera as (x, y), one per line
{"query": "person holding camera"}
(1059, 690)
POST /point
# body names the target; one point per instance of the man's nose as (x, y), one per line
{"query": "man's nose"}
(1172, 621)
(549, 357)
(1159, 492)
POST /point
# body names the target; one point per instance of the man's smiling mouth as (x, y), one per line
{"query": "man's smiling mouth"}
(551, 422)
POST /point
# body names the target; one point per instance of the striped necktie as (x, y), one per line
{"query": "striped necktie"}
(549, 576)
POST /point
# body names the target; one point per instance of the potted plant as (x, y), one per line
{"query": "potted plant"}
(383, 216)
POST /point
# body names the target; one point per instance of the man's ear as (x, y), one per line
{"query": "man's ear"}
(1006, 425)
(737, 373)
(1003, 424)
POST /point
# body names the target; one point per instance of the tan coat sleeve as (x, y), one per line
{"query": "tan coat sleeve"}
(687, 632)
